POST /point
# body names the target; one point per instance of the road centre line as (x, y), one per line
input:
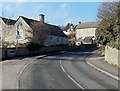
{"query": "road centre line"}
(75, 82)
(70, 76)
(63, 68)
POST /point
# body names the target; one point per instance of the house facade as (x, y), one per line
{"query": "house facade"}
(70, 32)
(20, 31)
(85, 32)
(7, 28)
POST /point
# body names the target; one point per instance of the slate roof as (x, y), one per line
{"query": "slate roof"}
(8, 21)
(54, 30)
(28, 20)
(87, 25)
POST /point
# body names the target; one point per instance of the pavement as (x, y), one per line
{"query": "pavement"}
(10, 70)
(99, 64)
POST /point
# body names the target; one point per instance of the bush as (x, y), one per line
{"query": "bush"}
(108, 31)
(102, 50)
(32, 46)
(22, 45)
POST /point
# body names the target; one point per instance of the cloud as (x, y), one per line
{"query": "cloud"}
(16, 0)
(64, 9)
(68, 20)
(59, 0)
(40, 6)
(73, 20)
(6, 8)
(64, 5)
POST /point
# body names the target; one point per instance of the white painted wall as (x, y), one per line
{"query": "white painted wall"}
(85, 32)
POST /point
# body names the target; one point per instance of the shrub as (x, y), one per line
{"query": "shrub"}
(102, 50)
(22, 45)
(32, 46)
(108, 31)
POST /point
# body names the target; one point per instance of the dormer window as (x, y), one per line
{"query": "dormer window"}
(19, 26)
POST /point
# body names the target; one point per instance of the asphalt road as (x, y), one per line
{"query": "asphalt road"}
(65, 71)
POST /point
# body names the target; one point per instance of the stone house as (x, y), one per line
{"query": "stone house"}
(7, 28)
(85, 32)
(18, 31)
(69, 30)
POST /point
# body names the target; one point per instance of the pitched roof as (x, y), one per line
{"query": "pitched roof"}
(87, 25)
(8, 21)
(28, 20)
(54, 30)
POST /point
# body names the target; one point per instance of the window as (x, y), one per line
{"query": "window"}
(19, 35)
(19, 26)
(19, 32)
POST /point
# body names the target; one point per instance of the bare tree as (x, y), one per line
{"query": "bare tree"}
(107, 11)
(40, 32)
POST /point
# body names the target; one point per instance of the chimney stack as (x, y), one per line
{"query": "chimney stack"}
(79, 22)
(42, 18)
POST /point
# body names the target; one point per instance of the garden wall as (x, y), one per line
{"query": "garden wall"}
(112, 55)
(26, 52)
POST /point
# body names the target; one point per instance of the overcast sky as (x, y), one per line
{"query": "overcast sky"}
(58, 13)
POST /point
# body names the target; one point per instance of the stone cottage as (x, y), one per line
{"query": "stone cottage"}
(18, 31)
(85, 32)
(69, 30)
(7, 31)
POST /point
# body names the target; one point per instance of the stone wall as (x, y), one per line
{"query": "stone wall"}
(112, 55)
(26, 52)
(2, 53)
(55, 40)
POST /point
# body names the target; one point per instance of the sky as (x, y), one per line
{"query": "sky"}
(57, 13)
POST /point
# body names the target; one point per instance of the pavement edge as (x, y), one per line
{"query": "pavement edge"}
(101, 70)
(21, 71)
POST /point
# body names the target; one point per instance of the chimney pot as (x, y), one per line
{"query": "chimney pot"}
(79, 22)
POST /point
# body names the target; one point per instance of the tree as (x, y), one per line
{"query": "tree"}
(40, 32)
(108, 31)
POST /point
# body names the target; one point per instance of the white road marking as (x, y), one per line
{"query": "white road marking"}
(20, 73)
(60, 62)
(75, 82)
(107, 73)
(70, 76)
(17, 84)
(63, 68)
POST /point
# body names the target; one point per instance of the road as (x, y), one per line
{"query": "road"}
(65, 71)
